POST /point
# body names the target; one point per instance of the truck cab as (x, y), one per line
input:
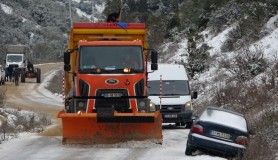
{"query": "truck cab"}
(16, 60)
(111, 69)
(105, 85)
(168, 89)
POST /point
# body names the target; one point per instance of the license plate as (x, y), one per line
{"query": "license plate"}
(170, 116)
(107, 95)
(220, 134)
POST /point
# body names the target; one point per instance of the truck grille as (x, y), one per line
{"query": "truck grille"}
(111, 99)
(171, 108)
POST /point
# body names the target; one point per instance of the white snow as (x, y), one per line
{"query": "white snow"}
(269, 45)
(217, 41)
(78, 1)
(82, 14)
(37, 26)
(32, 146)
(23, 19)
(49, 97)
(31, 37)
(272, 23)
(181, 52)
(6, 9)
(224, 118)
(100, 7)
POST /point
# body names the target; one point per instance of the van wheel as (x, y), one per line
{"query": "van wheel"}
(188, 125)
(38, 75)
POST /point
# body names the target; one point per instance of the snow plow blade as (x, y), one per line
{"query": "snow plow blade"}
(87, 128)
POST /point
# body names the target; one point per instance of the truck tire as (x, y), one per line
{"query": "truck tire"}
(16, 79)
(38, 75)
(188, 125)
(22, 77)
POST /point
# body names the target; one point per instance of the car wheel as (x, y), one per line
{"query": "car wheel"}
(188, 150)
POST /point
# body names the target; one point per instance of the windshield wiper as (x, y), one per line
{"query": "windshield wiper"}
(171, 94)
(91, 70)
(154, 94)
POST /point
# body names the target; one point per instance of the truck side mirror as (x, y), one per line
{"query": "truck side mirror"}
(154, 56)
(67, 61)
(154, 66)
(194, 95)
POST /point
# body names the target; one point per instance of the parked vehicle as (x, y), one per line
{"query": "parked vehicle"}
(218, 131)
(169, 90)
(15, 62)
(15, 56)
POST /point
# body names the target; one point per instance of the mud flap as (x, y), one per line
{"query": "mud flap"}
(87, 128)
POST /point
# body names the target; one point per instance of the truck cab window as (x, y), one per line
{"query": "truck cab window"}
(111, 58)
(14, 58)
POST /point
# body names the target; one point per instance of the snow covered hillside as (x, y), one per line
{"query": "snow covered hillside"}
(251, 90)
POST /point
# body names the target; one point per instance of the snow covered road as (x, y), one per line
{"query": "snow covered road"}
(31, 146)
(35, 147)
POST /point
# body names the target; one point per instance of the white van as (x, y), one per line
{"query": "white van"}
(169, 90)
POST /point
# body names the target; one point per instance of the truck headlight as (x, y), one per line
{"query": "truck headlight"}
(143, 105)
(188, 105)
(152, 107)
(80, 104)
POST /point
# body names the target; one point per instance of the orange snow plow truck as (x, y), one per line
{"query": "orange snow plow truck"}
(106, 85)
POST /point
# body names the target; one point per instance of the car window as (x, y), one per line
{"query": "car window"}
(224, 118)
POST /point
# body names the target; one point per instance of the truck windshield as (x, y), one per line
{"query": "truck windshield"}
(170, 87)
(14, 58)
(111, 59)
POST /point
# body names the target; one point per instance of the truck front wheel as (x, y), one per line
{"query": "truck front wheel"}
(38, 75)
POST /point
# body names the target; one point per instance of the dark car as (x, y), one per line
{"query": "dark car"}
(218, 131)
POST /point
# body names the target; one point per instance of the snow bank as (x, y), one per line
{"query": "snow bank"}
(269, 45)
(82, 14)
(272, 23)
(6, 9)
(181, 52)
(217, 41)
(56, 99)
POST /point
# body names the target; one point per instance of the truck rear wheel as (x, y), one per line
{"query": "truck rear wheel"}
(38, 75)
(16, 79)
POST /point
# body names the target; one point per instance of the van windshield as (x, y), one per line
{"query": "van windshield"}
(170, 87)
